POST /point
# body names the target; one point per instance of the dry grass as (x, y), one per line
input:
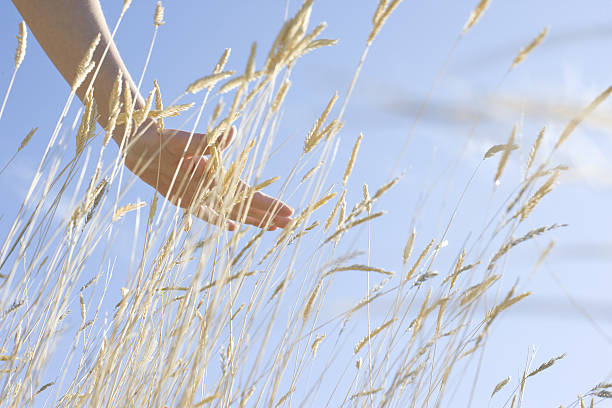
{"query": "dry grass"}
(210, 318)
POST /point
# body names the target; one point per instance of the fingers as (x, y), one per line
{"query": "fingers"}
(266, 203)
(211, 217)
(262, 211)
(254, 217)
(241, 214)
(182, 143)
(258, 218)
(191, 178)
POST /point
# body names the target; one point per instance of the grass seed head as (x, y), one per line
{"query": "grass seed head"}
(475, 15)
(86, 65)
(529, 48)
(22, 42)
(158, 17)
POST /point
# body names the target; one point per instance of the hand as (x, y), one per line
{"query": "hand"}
(157, 168)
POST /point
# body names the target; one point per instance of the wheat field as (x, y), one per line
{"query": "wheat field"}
(432, 184)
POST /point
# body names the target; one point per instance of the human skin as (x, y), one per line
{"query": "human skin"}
(65, 30)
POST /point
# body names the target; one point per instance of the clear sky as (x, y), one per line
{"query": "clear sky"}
(572, 66)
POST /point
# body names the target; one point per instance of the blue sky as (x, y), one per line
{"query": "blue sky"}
(566, 72)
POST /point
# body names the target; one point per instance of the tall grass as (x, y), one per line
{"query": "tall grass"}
(208, 317)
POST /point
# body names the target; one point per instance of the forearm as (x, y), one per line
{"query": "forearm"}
(65, 30)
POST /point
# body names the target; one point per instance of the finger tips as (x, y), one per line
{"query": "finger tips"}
(259, 218)
(285, 210)
(277, 221)
(269, 204)
(281, 221)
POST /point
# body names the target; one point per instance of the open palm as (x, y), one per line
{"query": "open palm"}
(179, 170)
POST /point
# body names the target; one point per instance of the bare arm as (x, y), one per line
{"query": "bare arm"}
(65, 30)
